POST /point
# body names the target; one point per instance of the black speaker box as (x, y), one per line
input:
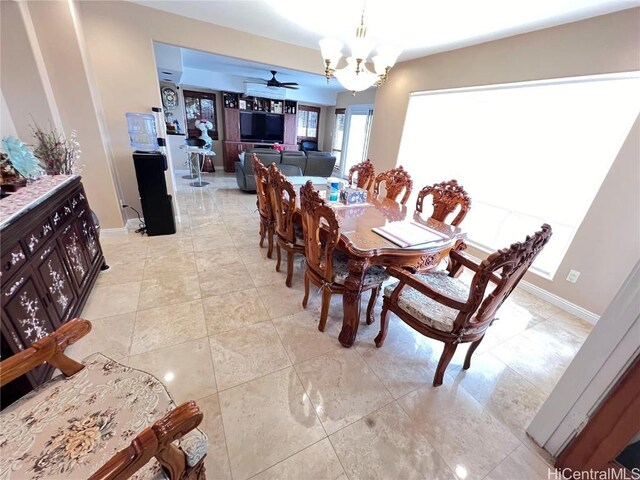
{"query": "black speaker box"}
(157, 207)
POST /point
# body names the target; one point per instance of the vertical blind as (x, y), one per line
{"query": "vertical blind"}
(527, 153)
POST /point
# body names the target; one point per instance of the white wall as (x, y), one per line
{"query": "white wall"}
(7, 128)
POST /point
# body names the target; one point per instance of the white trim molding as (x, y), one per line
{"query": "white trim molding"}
(560, 302)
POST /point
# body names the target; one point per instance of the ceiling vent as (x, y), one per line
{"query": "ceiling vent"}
(258, 90)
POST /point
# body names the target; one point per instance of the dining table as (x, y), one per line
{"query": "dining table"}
(366, 247)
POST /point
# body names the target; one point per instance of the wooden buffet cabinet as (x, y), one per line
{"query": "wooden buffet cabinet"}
(233, 104)
(51, 257)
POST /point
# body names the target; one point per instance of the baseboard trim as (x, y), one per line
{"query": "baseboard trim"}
(133, 224)
(560, 302)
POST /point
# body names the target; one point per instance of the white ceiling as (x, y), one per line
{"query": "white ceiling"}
(418, 27)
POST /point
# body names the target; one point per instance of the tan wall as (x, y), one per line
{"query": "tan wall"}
(120, 39)
(607, 244)
(60, 49)
(22, 87)
(7, 127)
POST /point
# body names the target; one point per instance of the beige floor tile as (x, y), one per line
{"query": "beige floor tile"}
(266, 421)
(264, 273)
(213, 241)
(301, 337)
(281, 300)
(523, 465)
(507, 395)
(161, 266)
(185, 369)
(212, 260)
(386, 444)
(233, 310)
(247, 353)
(217, 459)
(250, 255)
(319, 461)
(532, 303)
(404, 362)
(122, 271)
(225, 279)
(342, 388)
(461, 430)
(110, 336)
(168, 245)
(169, 325)
(160, 291)
(110, 300)
(541, 354)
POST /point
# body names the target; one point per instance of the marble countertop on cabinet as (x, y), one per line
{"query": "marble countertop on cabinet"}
(29, 197)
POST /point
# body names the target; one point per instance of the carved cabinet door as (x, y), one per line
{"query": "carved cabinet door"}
(26, 309)
(56, 280)
(89, 235)
(75, 253)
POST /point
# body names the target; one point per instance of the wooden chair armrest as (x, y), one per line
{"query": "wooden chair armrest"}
(460, 258)
(49, 349)
(155, 441)
(413, 281)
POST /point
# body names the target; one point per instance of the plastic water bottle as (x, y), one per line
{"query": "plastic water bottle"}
(142, 131)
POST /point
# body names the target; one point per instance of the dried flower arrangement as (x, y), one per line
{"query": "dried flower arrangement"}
(58, 154)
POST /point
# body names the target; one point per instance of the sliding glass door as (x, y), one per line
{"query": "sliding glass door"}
(357, 130)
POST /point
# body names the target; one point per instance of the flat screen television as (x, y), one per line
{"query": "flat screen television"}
(261, 127)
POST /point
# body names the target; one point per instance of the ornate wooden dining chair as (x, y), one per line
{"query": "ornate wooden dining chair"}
(446, 197)
(328, 268)
(288, 231)
(366, 174)
(396, 181)
(99, 419)
(444, 308)
(267, 223)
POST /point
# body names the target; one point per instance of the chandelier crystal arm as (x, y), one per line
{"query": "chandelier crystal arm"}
(356, 76)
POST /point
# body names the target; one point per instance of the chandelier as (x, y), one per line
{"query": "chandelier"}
(356, 76)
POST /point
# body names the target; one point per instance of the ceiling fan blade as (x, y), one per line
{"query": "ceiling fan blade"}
(288, 83)
(292, 87)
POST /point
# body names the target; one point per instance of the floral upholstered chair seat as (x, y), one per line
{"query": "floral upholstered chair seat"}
(427, 310)
(372, 275)
(70, 427)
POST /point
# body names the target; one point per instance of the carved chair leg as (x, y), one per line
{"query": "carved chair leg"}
(306, 290)
(270, 240)
(472, 348)
(278, 256)
(445, 358)
(372, 304)
(324, 312)
(384, 325)
(290, 256)
(262, 233)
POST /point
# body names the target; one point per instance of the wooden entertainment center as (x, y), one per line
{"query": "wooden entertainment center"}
(234, 103)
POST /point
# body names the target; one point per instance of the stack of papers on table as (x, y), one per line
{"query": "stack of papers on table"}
(407, 234)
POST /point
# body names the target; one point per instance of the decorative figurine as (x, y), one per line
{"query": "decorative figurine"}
(205, 125)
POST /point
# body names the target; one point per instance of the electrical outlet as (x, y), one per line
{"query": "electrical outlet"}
(573, 276)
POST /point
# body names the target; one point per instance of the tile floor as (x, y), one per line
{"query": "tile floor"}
(205, 311)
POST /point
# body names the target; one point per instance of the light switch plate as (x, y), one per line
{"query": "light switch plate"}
(573, 276)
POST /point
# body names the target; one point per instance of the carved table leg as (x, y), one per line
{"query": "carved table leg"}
(351, 301)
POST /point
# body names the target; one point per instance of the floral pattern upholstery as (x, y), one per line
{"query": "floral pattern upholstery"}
(425, 309)
(70, 427)
(373, 274)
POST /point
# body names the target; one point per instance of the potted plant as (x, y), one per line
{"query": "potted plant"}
(58, 154)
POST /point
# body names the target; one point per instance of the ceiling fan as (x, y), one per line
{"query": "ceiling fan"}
(275, 83)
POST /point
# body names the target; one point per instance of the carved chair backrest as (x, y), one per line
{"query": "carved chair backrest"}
(318, 217)
(261, 175)
(283, 203)
(446, 198)
(397, 180)
(366, 174)
(509, 265)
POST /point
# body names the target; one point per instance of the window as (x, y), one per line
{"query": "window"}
(338, 134)
(199, 105)
(308, 121)
(527, 153)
